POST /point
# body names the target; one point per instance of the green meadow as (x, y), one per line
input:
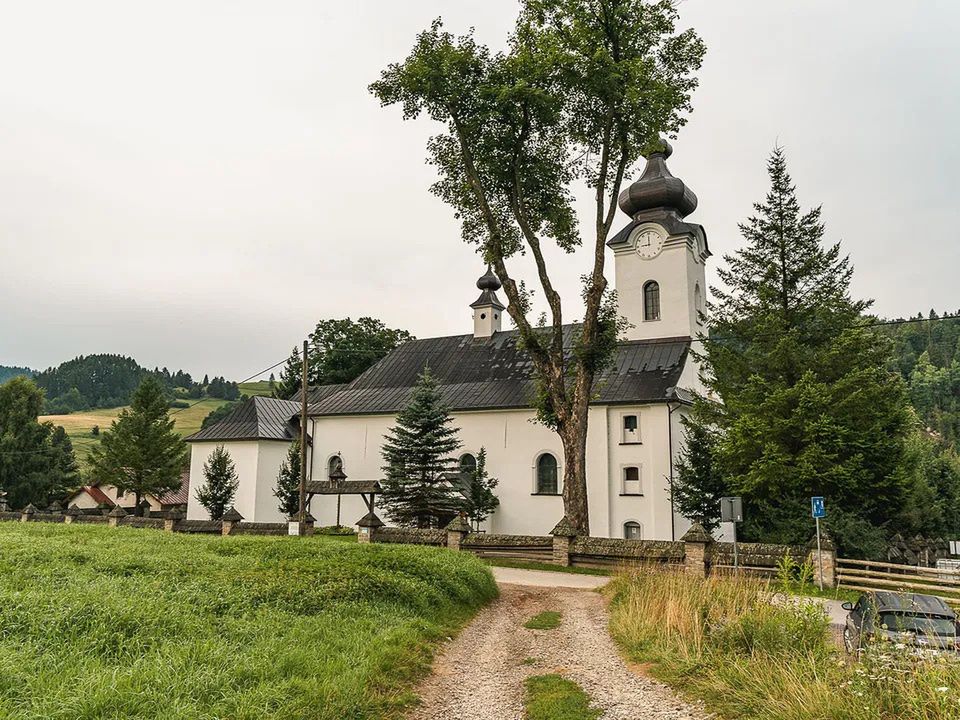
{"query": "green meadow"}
(97, 622)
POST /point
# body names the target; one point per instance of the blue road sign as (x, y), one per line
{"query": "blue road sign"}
(816, 507)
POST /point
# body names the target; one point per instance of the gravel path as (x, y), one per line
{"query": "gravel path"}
(480, 674)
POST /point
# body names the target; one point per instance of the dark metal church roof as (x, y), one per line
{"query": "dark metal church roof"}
(258, 418)
(492, 373)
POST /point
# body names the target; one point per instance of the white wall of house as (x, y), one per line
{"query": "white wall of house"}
(514, 443)
(85, 501)
(257, 463)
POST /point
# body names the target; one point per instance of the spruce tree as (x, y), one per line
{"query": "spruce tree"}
(698, 484)
(141, 452)
(480, 500)
(416, 454)
(287, 489)
(220, 483)
(808, 405)
(291, 377)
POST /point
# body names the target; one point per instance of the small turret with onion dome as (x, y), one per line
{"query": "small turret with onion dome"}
(487, 310)
(657, 192)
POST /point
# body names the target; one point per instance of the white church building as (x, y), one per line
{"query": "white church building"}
(634, 433)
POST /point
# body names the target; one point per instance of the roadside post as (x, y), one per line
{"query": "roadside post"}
(731, 511)
(818, 510)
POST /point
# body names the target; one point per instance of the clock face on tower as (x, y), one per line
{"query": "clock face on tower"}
(648, 243)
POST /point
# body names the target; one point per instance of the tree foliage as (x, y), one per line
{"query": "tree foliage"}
(698, 484)
(340, 351)
(287, 489)
(220, 483)
(479, 499)
(141, 452)
(808, 404)
(417, 462)
(37, 464)
(581, 92)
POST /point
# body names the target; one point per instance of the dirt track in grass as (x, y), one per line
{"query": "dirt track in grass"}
(480, 675)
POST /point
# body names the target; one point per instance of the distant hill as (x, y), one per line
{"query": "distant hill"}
(8, 372)
(90, 382)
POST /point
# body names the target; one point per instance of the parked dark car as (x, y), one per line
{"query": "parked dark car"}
(923, 621)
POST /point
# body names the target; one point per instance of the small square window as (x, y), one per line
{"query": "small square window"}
(631, 481)
(631, 429)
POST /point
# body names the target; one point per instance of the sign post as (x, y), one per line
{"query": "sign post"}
(818, 510)
(731, 511)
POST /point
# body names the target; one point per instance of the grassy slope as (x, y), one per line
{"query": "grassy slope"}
(98, 622)
(78, 425)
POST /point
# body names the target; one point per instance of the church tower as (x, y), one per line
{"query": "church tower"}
(487, 310)
(659, 257)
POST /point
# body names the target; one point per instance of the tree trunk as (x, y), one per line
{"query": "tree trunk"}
(136, 506)
(573, 435)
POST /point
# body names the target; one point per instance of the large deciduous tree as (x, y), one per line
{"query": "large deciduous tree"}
(808, 404)
(417, 464)
(340, 351)
(141, 452)
(583, 89)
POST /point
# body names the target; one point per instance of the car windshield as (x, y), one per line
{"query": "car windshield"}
(918, 624)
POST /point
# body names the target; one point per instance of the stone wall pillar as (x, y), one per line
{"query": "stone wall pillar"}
(827, 557)
(115, 516)
(26, 515)
(697, 543)
(170, 521)
(563, 535)
(73, 512)
(457, 530)
(231, 518)
(368, 525)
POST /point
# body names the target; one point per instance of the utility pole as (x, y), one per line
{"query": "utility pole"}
(301, 517)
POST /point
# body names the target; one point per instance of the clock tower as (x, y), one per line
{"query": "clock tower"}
(659, 257)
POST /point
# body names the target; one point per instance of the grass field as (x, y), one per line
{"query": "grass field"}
(722, 641)
(98, 622)
(79, 425)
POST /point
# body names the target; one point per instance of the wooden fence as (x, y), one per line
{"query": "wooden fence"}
(864, 575)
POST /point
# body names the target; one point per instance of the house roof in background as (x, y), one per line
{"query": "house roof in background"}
(495, 373)
(96, 493)
(181, 495)
(316, 393)
(257, 418)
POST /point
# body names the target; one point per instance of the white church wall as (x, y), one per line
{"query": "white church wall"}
(513, 443)
(256, 463)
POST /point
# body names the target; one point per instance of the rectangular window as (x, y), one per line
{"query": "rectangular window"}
(631, 481)
(631, 429)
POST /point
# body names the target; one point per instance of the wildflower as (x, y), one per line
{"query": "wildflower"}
(943, 689)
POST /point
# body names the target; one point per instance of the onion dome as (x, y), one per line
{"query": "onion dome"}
(489, 281)
(657, 189)
(488, 284)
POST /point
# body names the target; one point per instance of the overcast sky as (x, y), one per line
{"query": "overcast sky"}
(196, 183)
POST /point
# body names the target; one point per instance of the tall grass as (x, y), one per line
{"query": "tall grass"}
(122, 623)
(721, 640)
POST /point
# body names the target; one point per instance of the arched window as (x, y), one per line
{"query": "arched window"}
(547, 483)
(633, 530)
(468, 464)
(651, 301)
(631, 481)
(334, 463)
(631, 429)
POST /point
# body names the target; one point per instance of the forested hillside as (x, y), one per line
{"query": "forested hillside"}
(9, 371)
(927, 355)
(107, 381)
